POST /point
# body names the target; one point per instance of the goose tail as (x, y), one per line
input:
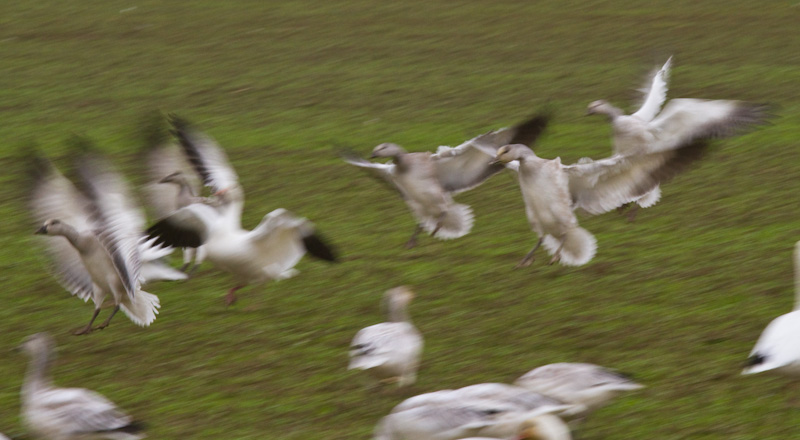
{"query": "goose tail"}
(578, 249)
(142, 308)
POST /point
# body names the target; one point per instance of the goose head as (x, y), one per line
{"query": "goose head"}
(396, 300)
(602, 107)
(387, 149)
(38, 343)
(52, 226)
(512, 152)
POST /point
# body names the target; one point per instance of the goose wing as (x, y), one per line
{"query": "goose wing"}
(685, 119)
(656, 94)
(284, 238)
(468, 165)
(189, 226)
(54, 197)
(207, 158)
(602, 185)
(118, 224)
(385, 172)
(164, 160)
(80, 411)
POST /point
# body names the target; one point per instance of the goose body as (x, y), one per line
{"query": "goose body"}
(587, 386)
(427, 181)
(54, 413)
(652, 129)
(778, 347)
(96, 249)
(552, 191)
(390, 350)
(268, 252)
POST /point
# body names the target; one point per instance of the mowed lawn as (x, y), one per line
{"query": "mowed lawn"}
(677, 298)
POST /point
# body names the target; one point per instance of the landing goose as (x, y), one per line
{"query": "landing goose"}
(551, 191)
(458, 417)
(173, 185)
(681, 120)
(97, 250)
(54, 413)
(428, 181)
(778, 348)
(390, 350)
(587, 386)
(268, 252)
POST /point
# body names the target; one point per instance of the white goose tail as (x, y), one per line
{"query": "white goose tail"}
(456, 222)
(578, 249)
(142, 308)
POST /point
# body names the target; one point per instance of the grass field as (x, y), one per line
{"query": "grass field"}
(677, 298)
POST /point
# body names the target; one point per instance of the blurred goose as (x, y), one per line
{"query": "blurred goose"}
(173, 185)
(541, 427)
(778, 348)
(587, 386)
(268, 252)
(390, 350)
(67, 413)
(459, 418)
(100, 253)
(428, 181)
(551, 191)
(649, 129)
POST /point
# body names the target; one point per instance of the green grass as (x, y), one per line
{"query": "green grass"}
(677, 298)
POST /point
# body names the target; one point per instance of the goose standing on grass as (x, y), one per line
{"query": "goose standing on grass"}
(99, 251)
(552, 191)
(172, 185)
(268, 252)
(390, 350)
(427, 182)
(778, 348)
(54, 413)
(587, 386)
(649, 129)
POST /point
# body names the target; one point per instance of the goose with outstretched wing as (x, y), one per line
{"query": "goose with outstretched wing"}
(427, 181)
(268, 252)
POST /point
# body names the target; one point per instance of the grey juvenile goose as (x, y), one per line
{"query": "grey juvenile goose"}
(428, 181)
(97, 249)
(650, 129)
(54, 413)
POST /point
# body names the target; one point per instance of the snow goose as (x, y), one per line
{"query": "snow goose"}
(390, 350)
(587, 386)
(268, 252)
(428, 181)
(551, 191)
(778, 348)
(457, 418)
(101, 252)
(67, 413)
(172, 185)
(681, 120)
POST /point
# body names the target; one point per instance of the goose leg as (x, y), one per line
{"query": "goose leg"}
(108, 320)
(632, 212)
(438, 224)
(88, 329)
(188, 256)
(413, 240)
(557, 255)
(528, 259)
(230, 298)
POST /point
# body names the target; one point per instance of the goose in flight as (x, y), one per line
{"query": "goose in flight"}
(427, 182)
(54, 413)
(268, 252)
(479, 410)
(778, 348)
(587, 386)
(681, 120)
(390, 350)
(97, 249)
(552, 191)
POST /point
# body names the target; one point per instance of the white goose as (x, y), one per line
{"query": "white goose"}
(551, 191)
(390, 350)
(268, 252)
(649, 129)
(587, 386)
(101, 252)
(778, 348)
(54, 413)
(451, 414)
(428, 181)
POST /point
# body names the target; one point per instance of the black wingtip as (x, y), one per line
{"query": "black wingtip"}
(315, 246)
(529, 131)
(177, 122)
(153, 131)
(167, 233)
(756, 359)
(135, 427)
